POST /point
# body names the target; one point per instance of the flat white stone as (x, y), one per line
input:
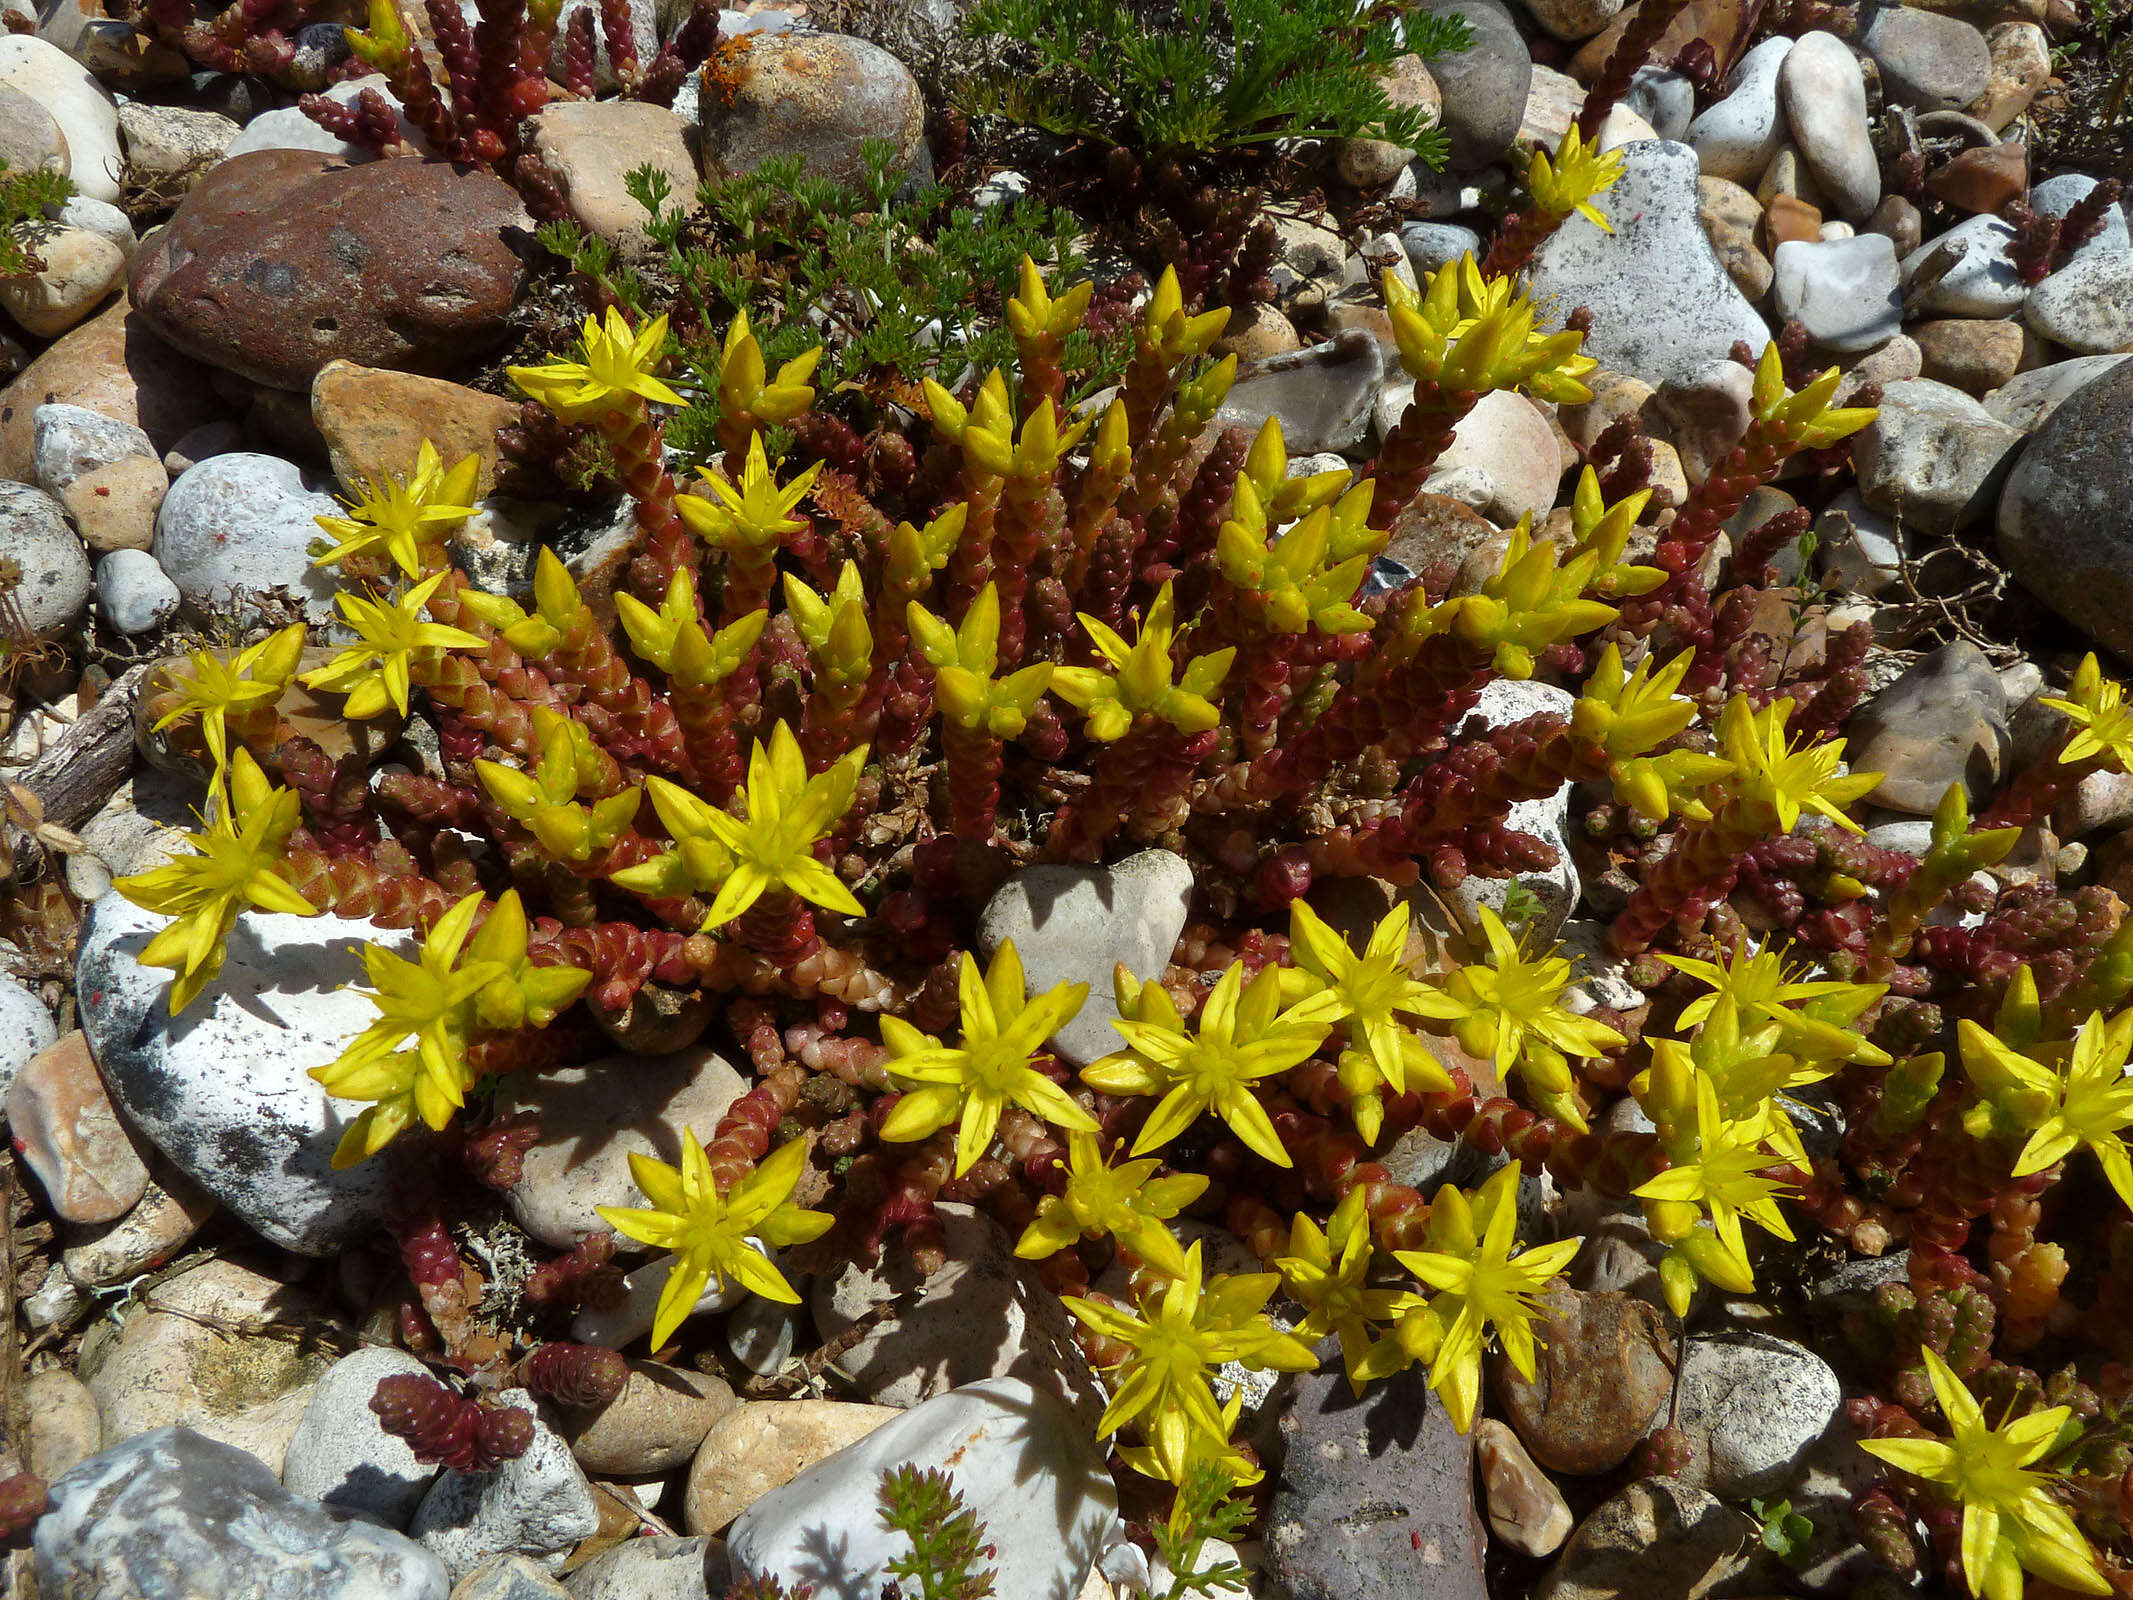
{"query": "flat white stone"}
(244, 521)
(1736, 138)
(1981, 283)
(82, 107)
(1843, 291)
(538, 1505)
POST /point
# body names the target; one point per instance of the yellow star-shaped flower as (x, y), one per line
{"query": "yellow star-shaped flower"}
(614, 370)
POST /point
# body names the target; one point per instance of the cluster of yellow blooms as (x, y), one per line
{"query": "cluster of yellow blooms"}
(1716, 1096)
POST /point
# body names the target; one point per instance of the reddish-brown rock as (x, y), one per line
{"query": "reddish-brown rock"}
(1606, 1369)
(283, 260)
(66, 1132)
(112, 364)
(1983, 180)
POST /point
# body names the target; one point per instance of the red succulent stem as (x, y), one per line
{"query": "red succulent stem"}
(638, 446)
(973, 758)
(1423, 433)
(1630, 52)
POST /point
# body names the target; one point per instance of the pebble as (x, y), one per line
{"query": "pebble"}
(280, 261)
(260, 1141)
(1703, 414)
(1664, 98)
(763, 1335)
(1029, 1472)
(1716, 22)
(1484, 86)
(1969, 353)
(2028, 399)
(1735, 138)
(2087, 305)
(508, 1578)
(1844, 292)
(1981, 282)
(105, 473)
(111, 364)
(174, 1516)
(2061, 517)
(1552, 102)
(1525, 1508)
(172, 145)
(1431, 245)
(1506, 436)
(26, 1025)
(195, 1355)
(1376, 1499)
(29, 138)
(1752, 1405)
(1605, 1370)
(1900, 221)
(374, 421)
(1659, 1539)
(1982, 181)
(1323, 393)
(1657, 254)
(984, 1314)
(657, 1567)
(592, 145)
(654, 1425)
(1863, 550)
(761, 1445)
(1554, 889)
(818, 96)
(83, 108)
(1729, 214)
(538, 1505)
(1934, 456)
(67, 1133)
(593, 1117)
(289, 129)
(1928, 62)
(1074, 924)
(171, 1211)
(80, 269)
(343, 1458)
(54, 586)
(135, 595)
(1824, 97)
(2021, 58)
(2056, 196)
(1573, 20)
(64, 1426)
(1255, 333)
(244, 522)
(1790, 220)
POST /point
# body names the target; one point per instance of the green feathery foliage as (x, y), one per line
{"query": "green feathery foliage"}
(947, 1540)
(886, 282)
(25, 198)
(1204, 75)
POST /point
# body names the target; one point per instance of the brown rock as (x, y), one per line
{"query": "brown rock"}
(1434, 534)
(1526, 1510)
(1983, 180)
(1790, 217)
(111, 364)
(2021, 66)
(283, 260)
(1972, 355)
(80, 269)
(1615, 395)
(818, 96)
(114, 507)
(67, 1133)
(763, 1445)
(1899, 221)
(653, 1425)
(374, 422)
(1606, 1369)
(593, 145)
(1256, 332)
(1367, 163)
(1713, 21)
(1729, 215)
(64, 1428)
(153, 1232)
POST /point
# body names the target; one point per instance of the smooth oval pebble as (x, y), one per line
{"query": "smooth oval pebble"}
(1824, 97)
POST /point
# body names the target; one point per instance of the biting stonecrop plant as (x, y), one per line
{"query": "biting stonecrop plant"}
(768, 764)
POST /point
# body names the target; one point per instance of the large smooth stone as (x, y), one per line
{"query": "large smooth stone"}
(1074, 924)
(224, 1089)
(1842, 291)
(169, 1515)
(1030, 1473)
(283, 260)
(1658, 255)
(819, 96)
(244, 522)
(2062, 520)
(111, 364)
(1982, 280)
(1322, 394)
(342, 1457)
(1484, 86)
(1932, 455)
(83, 108)
(538, 1504)
(1736, 138)
(1824, 96)
(1928, 62)
(2087, 305)
(1376, 1498)
(2028, 399)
